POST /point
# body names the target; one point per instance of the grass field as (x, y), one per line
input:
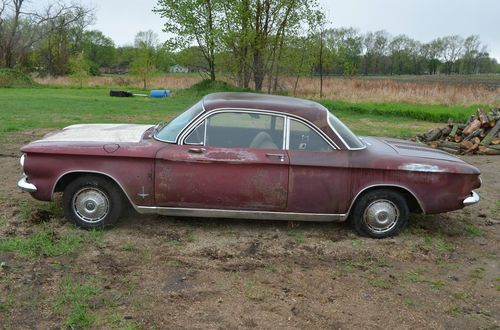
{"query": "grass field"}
(48, 107)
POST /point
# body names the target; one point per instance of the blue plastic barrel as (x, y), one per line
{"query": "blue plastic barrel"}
(159, 93)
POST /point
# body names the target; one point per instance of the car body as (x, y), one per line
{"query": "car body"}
(246, 155)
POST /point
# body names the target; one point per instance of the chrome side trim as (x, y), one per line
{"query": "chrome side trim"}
(25, 185)
(472, 199)
(239, 214)
(91, 172)
(382, 185)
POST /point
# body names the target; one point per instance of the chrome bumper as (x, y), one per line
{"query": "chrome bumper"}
(472, 199)
(25, 185)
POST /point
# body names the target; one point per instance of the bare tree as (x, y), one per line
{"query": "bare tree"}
(22, 26)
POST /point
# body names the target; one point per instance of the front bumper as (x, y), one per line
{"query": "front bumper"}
(472, 199)
(25, 185)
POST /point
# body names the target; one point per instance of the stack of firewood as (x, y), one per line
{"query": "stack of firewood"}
(480, 135)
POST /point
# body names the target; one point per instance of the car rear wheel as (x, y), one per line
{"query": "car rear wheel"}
(380, 213)
(92, 202)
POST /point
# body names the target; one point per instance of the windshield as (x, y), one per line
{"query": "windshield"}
(171, 131)
(345, 134)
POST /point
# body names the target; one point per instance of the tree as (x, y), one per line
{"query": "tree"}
(452, 51)
(193, 21)
(143, 66)
(79, 68)
(22, 26)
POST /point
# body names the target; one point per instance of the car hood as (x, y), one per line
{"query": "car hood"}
(102, 133)
(410, 149)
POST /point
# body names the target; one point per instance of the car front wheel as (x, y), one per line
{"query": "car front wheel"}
(92, 202)
(380, 213)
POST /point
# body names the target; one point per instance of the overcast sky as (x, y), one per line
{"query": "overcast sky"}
(422, 20)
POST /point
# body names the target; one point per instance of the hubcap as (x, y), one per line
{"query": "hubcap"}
(381, 215)
(91, 205)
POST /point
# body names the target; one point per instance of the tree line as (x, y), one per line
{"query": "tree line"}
(255, 42)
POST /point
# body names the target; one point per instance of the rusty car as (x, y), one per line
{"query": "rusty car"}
(245, 155)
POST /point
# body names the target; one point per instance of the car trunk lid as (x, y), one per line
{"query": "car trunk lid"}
(102, 133)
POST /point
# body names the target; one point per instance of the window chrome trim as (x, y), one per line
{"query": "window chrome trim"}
(184, 128)
(340, 136)
(196, 121)
(210, 113)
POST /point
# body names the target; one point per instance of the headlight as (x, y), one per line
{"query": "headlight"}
(21, 161)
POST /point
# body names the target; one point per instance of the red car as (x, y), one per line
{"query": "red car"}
(244, 155)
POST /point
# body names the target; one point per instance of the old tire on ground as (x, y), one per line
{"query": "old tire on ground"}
(92, 202)
(380, 213)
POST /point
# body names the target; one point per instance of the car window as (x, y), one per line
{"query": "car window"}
(302, 137)
(344, 132)
(170, 132)
(197, 136)
(244, 130)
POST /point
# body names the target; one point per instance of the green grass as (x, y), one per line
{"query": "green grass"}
(45, 242)
(74, 300)
(429, 112)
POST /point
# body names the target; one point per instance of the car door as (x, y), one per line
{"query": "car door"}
(319, 177)
(231, 160)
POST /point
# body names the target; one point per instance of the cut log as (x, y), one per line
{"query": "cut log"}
(458, 138)
(488, 151)
(483, 118)
(466, 145)
(454, 130)
(446, 131)
(472, 149)
(433, 134)
(473, 126)
(491, 134)
(495, 141)
(450, 145)
(472, 135)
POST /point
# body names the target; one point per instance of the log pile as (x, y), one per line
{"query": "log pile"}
(479, 135)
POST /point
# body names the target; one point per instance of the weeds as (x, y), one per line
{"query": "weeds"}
(455, 311)
(473, 230)
(477, 273)
(254, 292)
(74, 299)
(47, 243)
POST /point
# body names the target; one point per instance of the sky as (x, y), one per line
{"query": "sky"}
(423, 20)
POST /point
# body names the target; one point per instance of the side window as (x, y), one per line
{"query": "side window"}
(197, 136)
(244, 130)
(302, 137)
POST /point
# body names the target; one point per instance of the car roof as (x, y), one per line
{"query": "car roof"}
(309, 110)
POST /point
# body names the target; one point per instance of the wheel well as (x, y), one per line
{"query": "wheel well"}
(411, 200)
(64, 180)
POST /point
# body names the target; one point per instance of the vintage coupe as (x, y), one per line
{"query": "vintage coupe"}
(244, 155)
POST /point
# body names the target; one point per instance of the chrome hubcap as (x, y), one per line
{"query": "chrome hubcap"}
(381, 215)
(91, 204)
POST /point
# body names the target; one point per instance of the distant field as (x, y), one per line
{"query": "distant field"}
(438, 89)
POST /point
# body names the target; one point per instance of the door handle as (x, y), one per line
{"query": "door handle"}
(197, 150)
(280, 156)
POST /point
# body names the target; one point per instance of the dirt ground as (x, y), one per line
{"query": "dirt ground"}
(162, 272)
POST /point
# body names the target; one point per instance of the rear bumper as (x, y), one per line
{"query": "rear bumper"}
(25, 185)
(472, 199)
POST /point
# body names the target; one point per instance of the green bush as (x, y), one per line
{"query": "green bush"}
(14, 78)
